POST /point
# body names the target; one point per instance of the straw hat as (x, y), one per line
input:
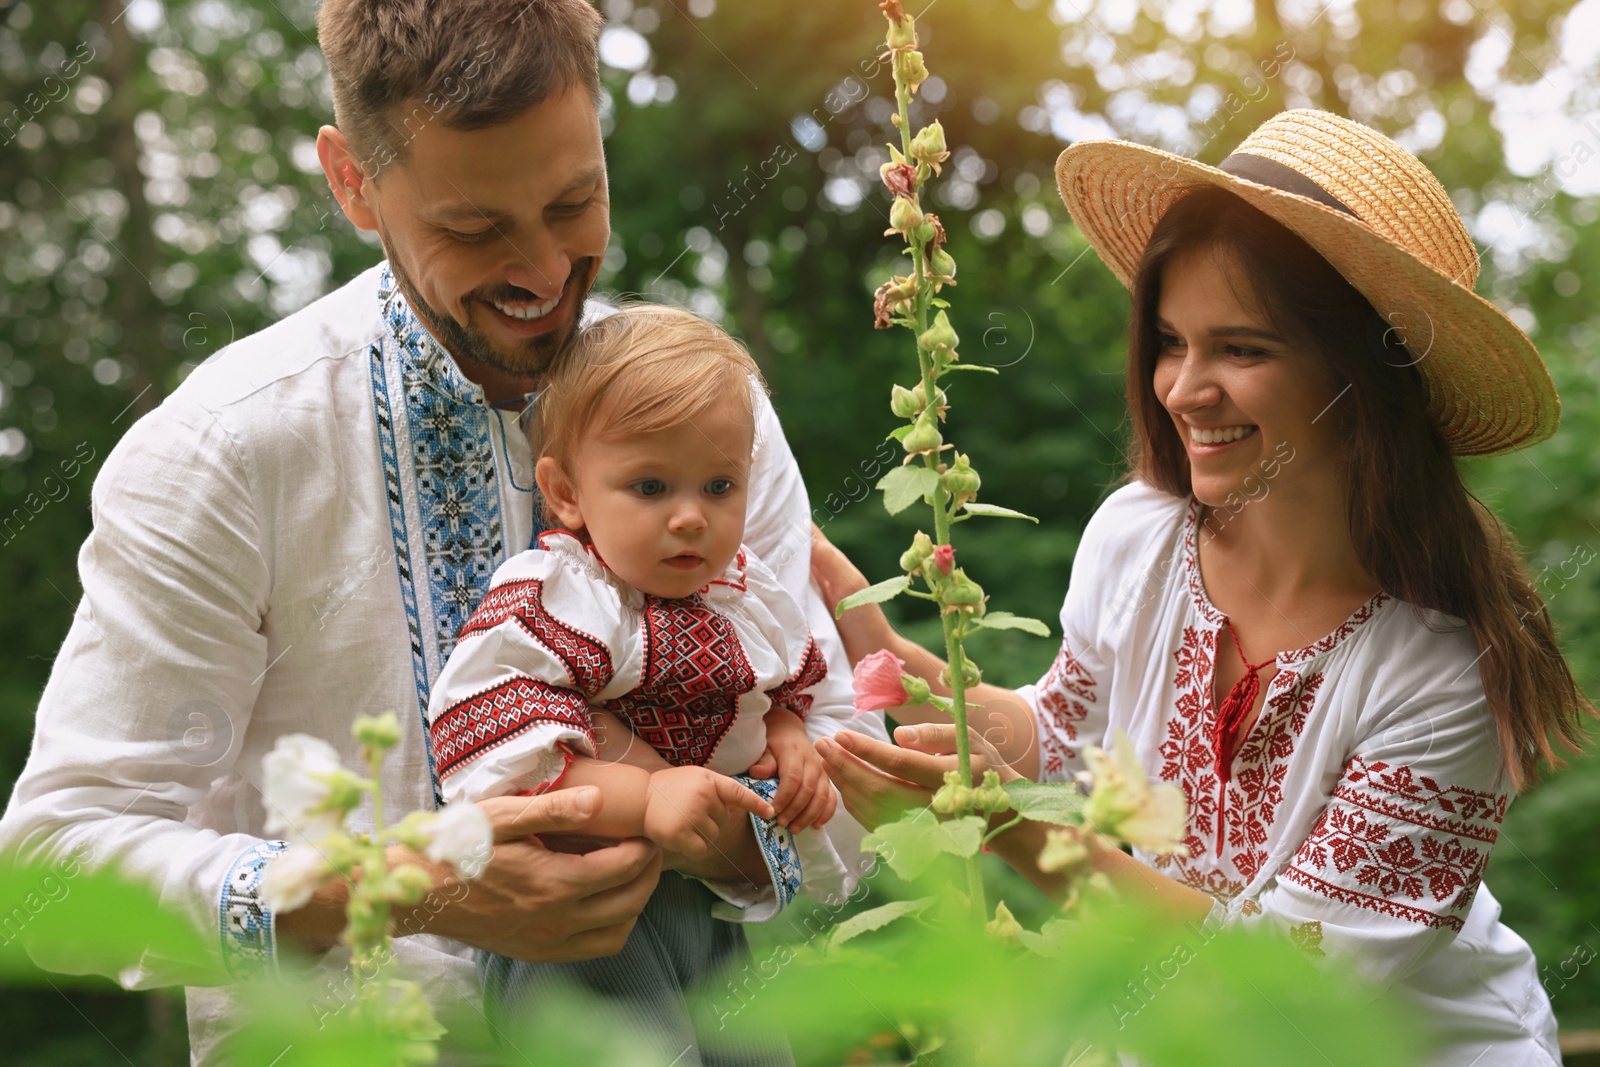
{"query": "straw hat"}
(1381, 218)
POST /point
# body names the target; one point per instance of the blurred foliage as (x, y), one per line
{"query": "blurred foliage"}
(159, 196)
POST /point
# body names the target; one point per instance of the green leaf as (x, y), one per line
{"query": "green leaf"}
(887, 589)
(906, 485)
(1050, 941)
(1059, 803)
(876, 918)
(919, 838)
(899, 433)
(996, 511)
(980, 367)
(1004, 620)
(80, 921)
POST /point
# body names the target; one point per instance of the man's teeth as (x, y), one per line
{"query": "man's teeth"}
(528, 311)
(1220, 436)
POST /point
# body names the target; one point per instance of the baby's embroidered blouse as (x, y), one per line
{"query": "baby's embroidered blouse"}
(558, 633)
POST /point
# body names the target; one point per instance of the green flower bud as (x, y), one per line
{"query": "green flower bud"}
(940, 337)
(921, 548)
(953, 797)
(924, 436)
(1004, 926)
(964, 595)
(970, 675)
(923, 232)
(902, 34)
(409, 883)
(381, 732)
(917, 691)
(345, 790)
(1063, 848)
(928, 145)
(990, 795)
(903, 402)
(961, 481)
(943, 266)
(909, 70)
(904, 215)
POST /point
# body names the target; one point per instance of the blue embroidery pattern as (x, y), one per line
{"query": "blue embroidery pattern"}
(777, 844)
(246, 923)
(439, 474)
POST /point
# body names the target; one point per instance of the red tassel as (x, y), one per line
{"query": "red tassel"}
(1230, 718)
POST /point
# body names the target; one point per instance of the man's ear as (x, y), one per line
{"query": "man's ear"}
(349, 180)
(560, 495)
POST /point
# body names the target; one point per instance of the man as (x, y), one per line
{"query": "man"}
(296, 535)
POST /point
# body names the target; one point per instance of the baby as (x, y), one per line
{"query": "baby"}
(640, 648)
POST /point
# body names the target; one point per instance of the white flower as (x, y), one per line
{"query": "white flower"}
(292, 877)
(297, 779)
(461, 836)
(1123, 803)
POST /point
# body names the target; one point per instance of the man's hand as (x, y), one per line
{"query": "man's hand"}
(689, 808)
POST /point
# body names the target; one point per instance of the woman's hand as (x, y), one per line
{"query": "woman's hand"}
(878, 782)
(865, 629)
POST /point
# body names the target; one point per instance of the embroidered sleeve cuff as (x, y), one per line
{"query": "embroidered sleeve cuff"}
(742, 902)
(248, 939)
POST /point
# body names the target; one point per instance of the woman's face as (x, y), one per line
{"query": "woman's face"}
(1256, 414)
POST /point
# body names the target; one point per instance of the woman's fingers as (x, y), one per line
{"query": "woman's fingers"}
(920, 768)
(870, 795)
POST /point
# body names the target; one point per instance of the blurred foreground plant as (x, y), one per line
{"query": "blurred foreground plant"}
(309, 793)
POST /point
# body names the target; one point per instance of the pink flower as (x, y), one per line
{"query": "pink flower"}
(944, 557)
(878, 682)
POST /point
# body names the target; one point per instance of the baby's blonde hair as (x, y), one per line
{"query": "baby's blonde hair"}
(645, 368)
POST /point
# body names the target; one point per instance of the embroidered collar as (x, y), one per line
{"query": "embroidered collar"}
(1216, 619)
(421, 353)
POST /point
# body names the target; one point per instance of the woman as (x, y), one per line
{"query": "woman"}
(1294, 609)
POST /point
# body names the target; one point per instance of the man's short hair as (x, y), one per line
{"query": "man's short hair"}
(398, 65)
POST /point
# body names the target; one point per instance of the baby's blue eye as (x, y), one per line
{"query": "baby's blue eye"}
(719, 486)
(650, 487)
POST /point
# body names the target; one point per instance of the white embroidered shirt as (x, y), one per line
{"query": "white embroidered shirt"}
(293, 538)
(1358, 812)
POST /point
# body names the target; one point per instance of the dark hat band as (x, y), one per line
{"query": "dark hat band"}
(1263, 171)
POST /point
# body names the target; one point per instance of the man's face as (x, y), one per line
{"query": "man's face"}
(496, 235)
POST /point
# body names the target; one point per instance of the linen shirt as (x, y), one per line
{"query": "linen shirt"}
(560, 633)
(1358, 812)
(294, 538)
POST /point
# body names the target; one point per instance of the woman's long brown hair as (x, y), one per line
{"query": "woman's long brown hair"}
(1415, 528)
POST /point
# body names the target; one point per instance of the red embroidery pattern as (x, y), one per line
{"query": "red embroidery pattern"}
(472, 726)
(740, 564)
(1397, 793)
(813, 669)
(694, 672)
(1241, 816)
(1259, 769)
(1064, 696)
(586, 658)
(1186, 753)
(1400, 844)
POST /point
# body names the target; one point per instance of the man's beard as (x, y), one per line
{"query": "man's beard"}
(534, 356)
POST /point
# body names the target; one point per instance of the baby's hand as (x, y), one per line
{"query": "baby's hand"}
(688, 807)
(806, 797)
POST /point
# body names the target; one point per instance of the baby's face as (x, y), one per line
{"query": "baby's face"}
(665, 510)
